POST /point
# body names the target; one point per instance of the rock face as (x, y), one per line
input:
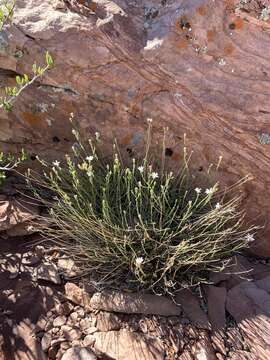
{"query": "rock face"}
(194, 66)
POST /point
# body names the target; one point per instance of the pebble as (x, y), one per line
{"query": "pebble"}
(80, 313)
(89, 340)
(46, 342)
(73, 334)
(49, 325)
(59, 321)
(57, 341)
(55, 330)
(49, 272)
(85, 323)
(90, 330)
(73, 316)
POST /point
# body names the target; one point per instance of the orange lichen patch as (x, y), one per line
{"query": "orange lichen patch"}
(201, 10)
(126, 139)
(239, 23)
(182, 44)
(93, 6)
(176, 156)
(211, 34)
(31, 118)
(228, 49)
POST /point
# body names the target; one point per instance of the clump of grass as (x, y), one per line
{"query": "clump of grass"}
(135, 224)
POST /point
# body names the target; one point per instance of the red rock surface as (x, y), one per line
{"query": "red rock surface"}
(199, 67)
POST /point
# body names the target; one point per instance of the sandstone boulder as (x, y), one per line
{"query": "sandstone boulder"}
(199, 67)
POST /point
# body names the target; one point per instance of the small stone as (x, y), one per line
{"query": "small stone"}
(57, 341)
(85, 323)
(72, 334)
(67, 266)
(46, 342)
(76, 343)
(64, 308)
(77, 295)
(59, 321)
(90, 330)
(30, 259)
(55, 330)
(52, 352)
(49, 325)
(48, 272)
(39, 250)
(81, 313)
(89, 340)
(79, 352)
(66, 328)
(64, 345)
(73, 317)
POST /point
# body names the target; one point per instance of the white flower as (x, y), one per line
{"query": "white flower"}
(139, 261)
(154, 175)
(198, 190)
(209, 191)
(97, 135)
(89, 158)
(149, 120)
(218, 206)
(140, 168)
(250, 238)
(56, 163)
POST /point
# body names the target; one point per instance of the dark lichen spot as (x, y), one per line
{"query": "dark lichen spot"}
(232, 26)
(185, 25)
(129, 151)
(56, 139)
(200, 168)
(168, 152)
(33, 157)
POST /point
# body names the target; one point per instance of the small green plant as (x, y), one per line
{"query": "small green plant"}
(6, 102)
(23, 82)
(6, 11)
(9, 162)
(136, 224)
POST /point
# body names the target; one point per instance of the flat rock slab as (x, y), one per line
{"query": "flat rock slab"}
(123, 345)
(249, 304)
(134, 303)
(216, 299)
(192, 309)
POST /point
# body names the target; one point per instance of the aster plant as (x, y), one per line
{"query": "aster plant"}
(135, 224)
